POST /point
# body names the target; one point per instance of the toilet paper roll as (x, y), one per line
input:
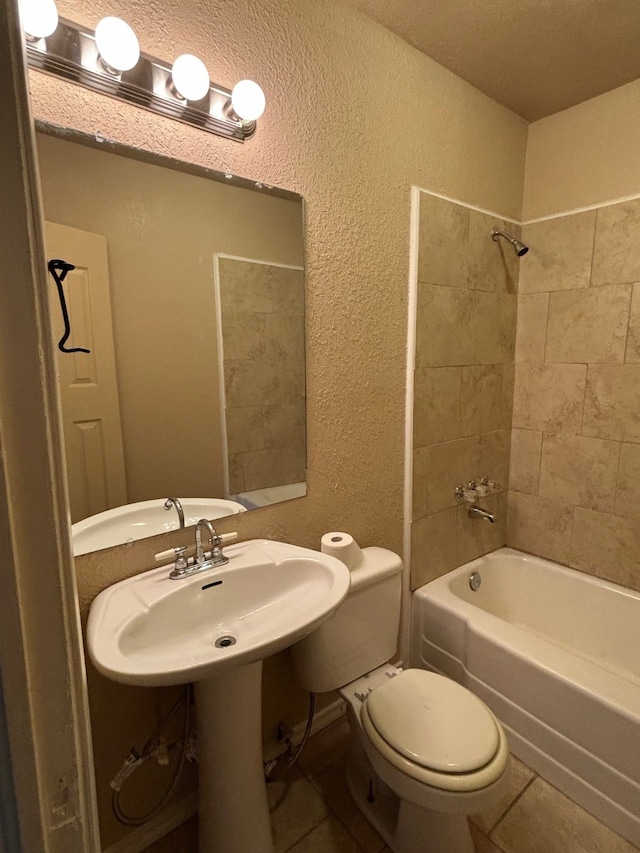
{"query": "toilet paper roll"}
(344, 547)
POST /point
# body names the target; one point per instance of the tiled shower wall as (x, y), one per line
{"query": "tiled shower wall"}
(466, 327)
(264, 373)
(575, 458)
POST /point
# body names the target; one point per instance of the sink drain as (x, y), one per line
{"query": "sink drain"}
(224, 642)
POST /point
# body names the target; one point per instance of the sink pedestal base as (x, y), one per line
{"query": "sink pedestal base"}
(234, 815)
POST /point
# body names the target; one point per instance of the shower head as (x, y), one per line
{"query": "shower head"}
(519, 248)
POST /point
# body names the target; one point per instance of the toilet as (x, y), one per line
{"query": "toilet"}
(425, 752)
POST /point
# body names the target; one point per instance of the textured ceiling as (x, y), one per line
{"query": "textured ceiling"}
(534, 56)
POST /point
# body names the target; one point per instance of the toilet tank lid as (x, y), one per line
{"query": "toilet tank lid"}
(434, 722)
(377, 564)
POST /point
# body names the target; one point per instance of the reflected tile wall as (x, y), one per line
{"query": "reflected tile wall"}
(464, 379)
(264, 373)
(575, 452)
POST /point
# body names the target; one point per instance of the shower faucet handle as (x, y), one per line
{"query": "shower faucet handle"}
(470, 494)
(491, 485)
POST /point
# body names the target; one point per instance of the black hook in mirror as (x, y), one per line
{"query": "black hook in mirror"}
(59, 270)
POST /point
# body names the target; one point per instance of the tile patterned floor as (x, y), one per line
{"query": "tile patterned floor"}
(312, 812)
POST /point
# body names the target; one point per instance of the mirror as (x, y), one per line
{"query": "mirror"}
(188, 290)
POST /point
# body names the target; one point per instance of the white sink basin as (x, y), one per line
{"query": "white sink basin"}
(152, 630)
(146, 518)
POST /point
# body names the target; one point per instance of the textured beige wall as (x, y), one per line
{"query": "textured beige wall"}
(465, 342)
(354, 118)
(586, 155)
(262, 308)
(162, 229)
(575, 456)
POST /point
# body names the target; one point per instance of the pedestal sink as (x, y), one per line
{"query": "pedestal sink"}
(214, 629)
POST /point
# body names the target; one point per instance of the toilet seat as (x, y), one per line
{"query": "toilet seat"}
(435, 731)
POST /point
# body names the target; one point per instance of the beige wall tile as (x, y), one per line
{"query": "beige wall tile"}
(612, 402)
(493, 265)
(539, 526)
(616, 256)
(588, 326)
(627, 501)
(423, 330)
(632, 354)
(545, 821)
(434, 546)
(273, 467)
(559, 256)
(447, 465)
(490, 457)
(549, 397)
(419, 500)
(495, 328)
(236, 473)
(524, 468)
(436, 412)
(607, 546)
(579, 471)
(450, 324)
(531, 333)
(477, 536)
(485, 400)
(508, 389)
(444, 229)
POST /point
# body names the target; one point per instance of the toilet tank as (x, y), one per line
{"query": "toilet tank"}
(361, 634)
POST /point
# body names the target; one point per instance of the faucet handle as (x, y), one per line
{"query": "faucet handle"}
(227, 537)
(175, 554)
(470, 494)
(491, 485)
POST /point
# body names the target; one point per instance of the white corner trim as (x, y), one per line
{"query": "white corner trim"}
(467, 205)
(412, 311)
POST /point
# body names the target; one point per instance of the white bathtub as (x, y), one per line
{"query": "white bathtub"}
(556, 654)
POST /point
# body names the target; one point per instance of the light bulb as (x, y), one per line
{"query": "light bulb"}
(190, 77)
(39, 18)
(247, 100)
(117, 44)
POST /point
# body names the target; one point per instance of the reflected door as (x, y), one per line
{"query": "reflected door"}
(87, 381)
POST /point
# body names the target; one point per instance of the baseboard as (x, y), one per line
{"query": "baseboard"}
(170, 818)
(142, 837)
(321, 720)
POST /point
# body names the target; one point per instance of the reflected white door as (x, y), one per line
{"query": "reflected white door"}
(88, 381)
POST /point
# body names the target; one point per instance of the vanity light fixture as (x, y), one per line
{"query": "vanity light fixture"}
(190, 78)
(39, 18)
(109, 61)
(247, 100)
(118, 47)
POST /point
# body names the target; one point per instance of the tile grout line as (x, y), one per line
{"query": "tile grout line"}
(511, 805)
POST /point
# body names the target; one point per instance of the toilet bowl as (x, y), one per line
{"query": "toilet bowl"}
(425, 752)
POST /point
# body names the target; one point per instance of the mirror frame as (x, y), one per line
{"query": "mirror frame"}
(99, 142)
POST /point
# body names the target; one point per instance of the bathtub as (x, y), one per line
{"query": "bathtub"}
(556, 655)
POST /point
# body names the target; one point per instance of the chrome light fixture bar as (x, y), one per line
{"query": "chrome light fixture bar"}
(71, 52)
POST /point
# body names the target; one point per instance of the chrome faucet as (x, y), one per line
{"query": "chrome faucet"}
(184, 566)
(175, 502)
(478, 512)
(217, 558)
